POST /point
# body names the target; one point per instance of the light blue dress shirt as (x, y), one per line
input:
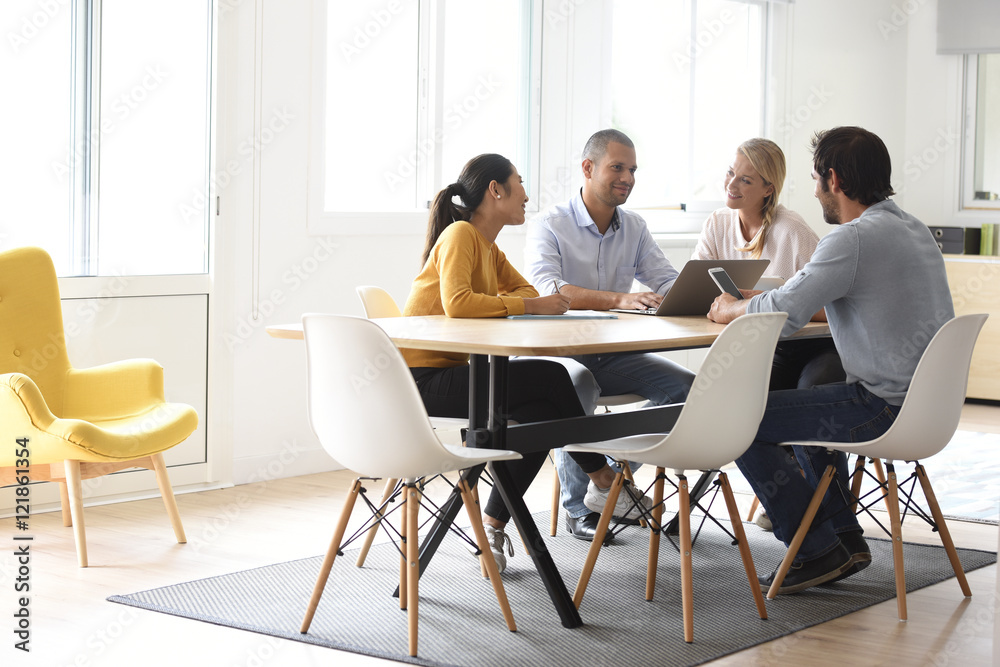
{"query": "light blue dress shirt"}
(564, 246)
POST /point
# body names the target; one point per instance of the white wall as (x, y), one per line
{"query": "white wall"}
(846, 67)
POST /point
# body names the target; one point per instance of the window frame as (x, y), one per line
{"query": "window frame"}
(970, 99)
(321, 222)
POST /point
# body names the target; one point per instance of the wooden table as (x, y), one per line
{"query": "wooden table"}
(491, 342)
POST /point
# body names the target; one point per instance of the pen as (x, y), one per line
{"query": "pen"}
(555, 283)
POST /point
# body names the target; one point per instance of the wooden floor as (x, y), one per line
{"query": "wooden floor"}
(131, 549)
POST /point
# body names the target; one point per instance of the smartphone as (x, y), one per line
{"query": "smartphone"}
(724, 282)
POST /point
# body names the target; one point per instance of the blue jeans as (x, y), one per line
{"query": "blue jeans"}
(834, 413)
(655, 378)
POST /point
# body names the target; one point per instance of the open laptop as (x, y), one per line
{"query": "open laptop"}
(694, 290)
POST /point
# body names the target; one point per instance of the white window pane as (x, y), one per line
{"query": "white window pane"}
(686, 95)
(986, 179)
(35, 127)
(482, 87)
(155, 61)
(371, 151)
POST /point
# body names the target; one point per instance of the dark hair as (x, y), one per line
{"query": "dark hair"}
(471, 187)
(860, 159)
(597, 145)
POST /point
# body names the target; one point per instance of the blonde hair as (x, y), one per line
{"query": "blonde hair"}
(767, 159)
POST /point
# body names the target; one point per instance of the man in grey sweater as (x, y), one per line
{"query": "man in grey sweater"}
(881, 278)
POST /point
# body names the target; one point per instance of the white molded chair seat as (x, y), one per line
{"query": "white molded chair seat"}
(716, 425)
(926, 423)
(376, 425)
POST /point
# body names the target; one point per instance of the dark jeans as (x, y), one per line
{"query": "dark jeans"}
(537, 390)
(834, 413)
(800, 364)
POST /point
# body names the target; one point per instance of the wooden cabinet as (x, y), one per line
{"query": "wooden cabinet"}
(975, 288)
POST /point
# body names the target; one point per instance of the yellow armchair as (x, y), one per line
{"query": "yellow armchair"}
(79, 423)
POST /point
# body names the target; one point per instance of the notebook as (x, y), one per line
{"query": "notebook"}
(694, 290)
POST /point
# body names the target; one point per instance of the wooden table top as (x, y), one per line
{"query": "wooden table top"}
(549, 337)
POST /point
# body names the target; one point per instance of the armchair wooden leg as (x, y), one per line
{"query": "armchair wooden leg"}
(75, 493)
(486, 557)
(800, 534)
(413, 563)
(653, 559)
(880, 473)
(390, 485)
(687, 578)
(753, 508)
(599, 534)
(741, 540)
(167, 493)
(331, 555)
(942, 527)
(897, 542)
(64, 505)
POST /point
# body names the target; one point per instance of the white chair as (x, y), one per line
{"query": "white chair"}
(926, 423)
(367, 413)
(379, 303)
(716, 425)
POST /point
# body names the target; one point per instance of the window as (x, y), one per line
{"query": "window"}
(688, 86)
(981, 175)
(408, 92)
(108, 162)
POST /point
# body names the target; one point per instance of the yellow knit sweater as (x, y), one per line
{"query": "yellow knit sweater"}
(465, 276)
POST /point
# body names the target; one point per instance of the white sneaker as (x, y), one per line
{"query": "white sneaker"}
(624, 508)
(763, 520)
(497, 540)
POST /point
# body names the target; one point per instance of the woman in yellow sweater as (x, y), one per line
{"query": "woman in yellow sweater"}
(466, 275)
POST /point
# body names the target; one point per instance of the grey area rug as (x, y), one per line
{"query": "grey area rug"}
(461, 623)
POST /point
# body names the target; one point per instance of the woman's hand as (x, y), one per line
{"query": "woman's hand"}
(554, 304)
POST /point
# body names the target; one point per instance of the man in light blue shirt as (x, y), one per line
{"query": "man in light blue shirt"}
(593, 250)
(881, 278)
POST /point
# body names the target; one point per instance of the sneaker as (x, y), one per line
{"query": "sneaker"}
(806, 574)
(497, 539)
(624, 509)
(861, 555)
(763, 520)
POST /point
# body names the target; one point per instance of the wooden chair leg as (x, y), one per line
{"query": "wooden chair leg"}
(880, 473)
(800, 534)
(556, 489)
(741, 540)
(390, 486)
(628, 475)
(753, 508)
(167, 493)
(653, 559)
(856, 479)
(897, 542)
(331, 555)
(74, 489)
(413, 563)
(687, 578)
(599, 535)
(942, 527)
(64, 505)
(486, 557)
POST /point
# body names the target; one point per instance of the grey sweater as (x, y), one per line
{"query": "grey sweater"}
(882, 281)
